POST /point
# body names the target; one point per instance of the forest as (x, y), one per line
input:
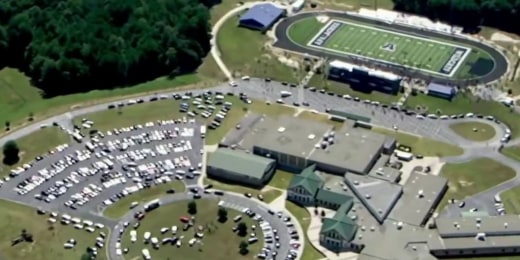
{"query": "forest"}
(502, 14)
(69, 46)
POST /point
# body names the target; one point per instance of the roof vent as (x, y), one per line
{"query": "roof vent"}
(505, 225)
(367, 196)
(480, 236)
(479, 220)
(360, 237)
(420, 194)
(353, 217)
(399, 225)
(372, 228)
(478, 226)
(363, 228)
(311, 136)
(380, 211)
(281, 129)
(356, 182)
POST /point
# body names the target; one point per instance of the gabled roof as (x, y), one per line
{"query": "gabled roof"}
(239, 162)
(308, 180)
(264, 14)
(344, 227)
(333, 197)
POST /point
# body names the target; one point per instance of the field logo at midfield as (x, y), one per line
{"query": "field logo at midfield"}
(389, 46)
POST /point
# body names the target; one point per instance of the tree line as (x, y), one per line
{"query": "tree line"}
(74, 46)
(471, 14)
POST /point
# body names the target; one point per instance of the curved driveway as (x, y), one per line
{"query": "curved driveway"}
(257, 206)
(501, 63)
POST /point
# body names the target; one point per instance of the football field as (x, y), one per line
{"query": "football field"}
(390, 47)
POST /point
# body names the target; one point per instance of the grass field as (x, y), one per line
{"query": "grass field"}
(244, 53)
(269, 194)
(121, 207)
(465, 103)
(354, 39)
(169, 109)
(219, 244)
(36, 144)
(421, 145)
(511, 200)
(474, 131)
(466, 179)
(512, 152)
(309, 252)
(48, 242)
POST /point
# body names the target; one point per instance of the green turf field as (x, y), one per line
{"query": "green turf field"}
(367, 42)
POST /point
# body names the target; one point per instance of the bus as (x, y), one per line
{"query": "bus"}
(152, 205)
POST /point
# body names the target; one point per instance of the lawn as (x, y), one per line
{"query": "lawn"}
(474, 131)
(20, 98)
(244, 52)
(512, 152)
(269, 194)
(466, 103)
(35, 144)
(48, 239)
(121, 207)
(421, 145)
(169, 109)
(340, 88)
(309, 252)
(219, 242)
(466, 179)
(511, 200)
(281, 179)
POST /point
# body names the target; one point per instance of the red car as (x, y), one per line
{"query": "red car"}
(185, 219)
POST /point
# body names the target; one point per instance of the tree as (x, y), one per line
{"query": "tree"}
(243, 248)
(222, 215)
(11, 151)
(242, 229)
(192, 207)
(323, 213)
(68, 46)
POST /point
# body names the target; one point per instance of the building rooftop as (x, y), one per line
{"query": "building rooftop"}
(352, 149)
(420, 193)
(377, 73)
(289, 135)
(471, 226)
(378, 196)
(239, 162)
(308, 180)
(264, 14)
(382, 172)
(235, 136)
(440, 88)
(468, 243)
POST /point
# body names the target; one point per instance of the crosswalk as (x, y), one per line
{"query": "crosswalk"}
(231, 205)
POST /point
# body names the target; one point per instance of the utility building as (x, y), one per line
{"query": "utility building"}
(240, 167)
(441, 91)
(261, 17)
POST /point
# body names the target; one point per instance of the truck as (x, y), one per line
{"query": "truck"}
(203, 131)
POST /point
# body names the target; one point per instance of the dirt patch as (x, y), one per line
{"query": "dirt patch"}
(465, 183)
(501, 37)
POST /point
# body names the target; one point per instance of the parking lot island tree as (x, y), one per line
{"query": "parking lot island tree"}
(11, 153)
(192, 207)
(242, 229)
(222, 215)
(244, 250)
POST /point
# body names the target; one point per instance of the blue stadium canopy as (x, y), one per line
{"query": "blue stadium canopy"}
(261, 16)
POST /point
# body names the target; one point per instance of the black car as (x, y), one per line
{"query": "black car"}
(170, 191)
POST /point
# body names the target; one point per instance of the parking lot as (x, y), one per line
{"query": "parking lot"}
(108, 166)
(281, 238)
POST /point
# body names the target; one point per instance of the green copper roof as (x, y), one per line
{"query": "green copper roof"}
(345, 228)
(308, 180)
